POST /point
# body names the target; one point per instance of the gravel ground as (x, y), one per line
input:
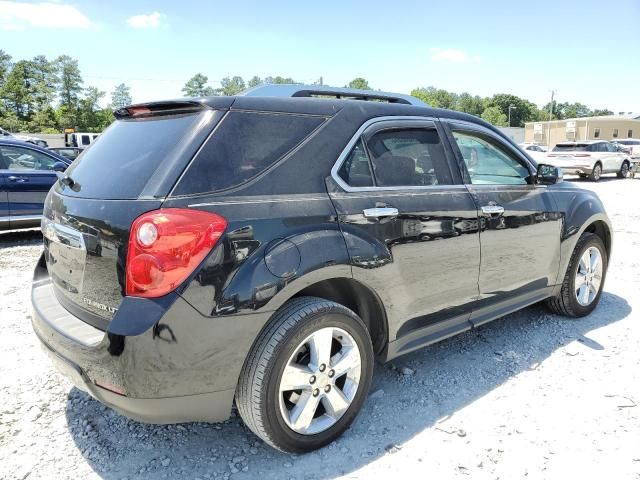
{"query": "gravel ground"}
(530, 395)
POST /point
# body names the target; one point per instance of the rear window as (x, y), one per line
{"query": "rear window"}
(628, 142)
(576, 147)
(127, 155)
(243, 146)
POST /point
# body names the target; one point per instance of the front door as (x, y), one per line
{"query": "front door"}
(28, 177)
(519, 221)
(411, 228)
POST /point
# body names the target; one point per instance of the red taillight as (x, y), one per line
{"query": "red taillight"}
(165, 247)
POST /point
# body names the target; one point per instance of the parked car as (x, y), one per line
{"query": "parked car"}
(26, 175)
(633, 147)
(80, 140)
(268, 247)
(25, 138)
(590, 159)
(68, 152)
(535, 151)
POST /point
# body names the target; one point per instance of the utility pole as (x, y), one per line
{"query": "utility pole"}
(551, 105)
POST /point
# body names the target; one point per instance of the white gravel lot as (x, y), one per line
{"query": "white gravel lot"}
(531, 395)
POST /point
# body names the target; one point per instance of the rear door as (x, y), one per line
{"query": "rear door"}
(520, 223)
(28, 178)
(411, 228)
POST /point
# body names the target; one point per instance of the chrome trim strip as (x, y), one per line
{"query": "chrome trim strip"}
(347, 150)
(252, 200)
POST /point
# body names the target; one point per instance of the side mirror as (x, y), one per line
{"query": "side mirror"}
(59, 166)
(549, 174)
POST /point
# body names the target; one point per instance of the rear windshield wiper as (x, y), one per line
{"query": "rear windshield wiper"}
(68, 181)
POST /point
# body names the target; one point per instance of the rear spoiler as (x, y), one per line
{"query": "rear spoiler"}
(159, 108)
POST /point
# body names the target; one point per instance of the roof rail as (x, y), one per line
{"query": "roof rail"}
(293, 90)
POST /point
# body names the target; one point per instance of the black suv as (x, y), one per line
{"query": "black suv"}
(268, 248)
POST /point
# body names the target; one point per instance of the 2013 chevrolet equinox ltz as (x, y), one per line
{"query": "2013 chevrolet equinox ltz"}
(268, 247)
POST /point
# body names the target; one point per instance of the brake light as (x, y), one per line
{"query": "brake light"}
(166, 246)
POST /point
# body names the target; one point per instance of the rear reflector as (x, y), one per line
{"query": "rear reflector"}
(111, 388)
(166, 246)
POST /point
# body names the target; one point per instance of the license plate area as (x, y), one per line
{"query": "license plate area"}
(66, 256)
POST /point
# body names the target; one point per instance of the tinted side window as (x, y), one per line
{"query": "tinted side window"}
(244, 145)
(356, 169)
(408, 157)
(489, 163)
(16, 158)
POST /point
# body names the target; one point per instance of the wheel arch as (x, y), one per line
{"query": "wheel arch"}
(343, 289)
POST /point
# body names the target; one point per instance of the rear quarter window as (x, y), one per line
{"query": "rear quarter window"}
(244, 145)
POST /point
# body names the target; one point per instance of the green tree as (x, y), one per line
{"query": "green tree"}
(197, 86)
(495, 116)
(18, 90)
(70, 86)
(5, 65)
(44, 120)
(231, 86)
(523, 111)
(470, 104)
(45, 80)
(601, 112)
(88, 118)
(105, 117)
(436, 98)
(359, 83)
(120, 97)
(279, 80)
(254, 81)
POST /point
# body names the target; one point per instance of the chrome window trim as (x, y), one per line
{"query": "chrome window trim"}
(356, 137)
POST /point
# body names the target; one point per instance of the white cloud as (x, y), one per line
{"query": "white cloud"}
(15, 16)
(145, 21)
(452, 55)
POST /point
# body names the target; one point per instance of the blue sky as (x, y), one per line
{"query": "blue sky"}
(589, 51)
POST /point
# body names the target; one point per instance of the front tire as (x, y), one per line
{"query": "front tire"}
(584, 279)
(624, 170)
(306, 376)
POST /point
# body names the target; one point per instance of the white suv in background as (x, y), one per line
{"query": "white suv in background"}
(589, 159)
(633, 147)
(537, 152)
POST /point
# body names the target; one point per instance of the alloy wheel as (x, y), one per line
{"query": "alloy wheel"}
(589, 276)
(320, 380)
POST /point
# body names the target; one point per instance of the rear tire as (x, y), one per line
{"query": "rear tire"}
(570, 302)
(293, 344)
(624, 170)
(596, 173)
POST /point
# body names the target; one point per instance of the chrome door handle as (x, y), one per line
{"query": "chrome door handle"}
(492, 209)
(380, 212)
(13, 178)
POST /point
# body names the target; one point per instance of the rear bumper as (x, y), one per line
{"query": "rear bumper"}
(576, 170)
(208, 407)
(184, 368)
